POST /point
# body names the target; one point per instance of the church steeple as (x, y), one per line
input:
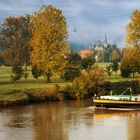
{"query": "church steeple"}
(106, 39)
(105, 42)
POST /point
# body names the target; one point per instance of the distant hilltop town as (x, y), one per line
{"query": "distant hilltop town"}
(102, 51)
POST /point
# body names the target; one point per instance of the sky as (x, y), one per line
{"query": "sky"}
(88, 20)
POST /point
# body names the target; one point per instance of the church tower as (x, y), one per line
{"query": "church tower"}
(105, 42)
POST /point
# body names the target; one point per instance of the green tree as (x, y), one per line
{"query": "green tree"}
(35, 72)
(109, 69)
(49, 42)
(74, 59)
(74, 68)
(87, 62)
(17, 73)
(15, 36)
(115, 66)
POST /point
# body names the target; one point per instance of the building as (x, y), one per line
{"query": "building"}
(85, 53)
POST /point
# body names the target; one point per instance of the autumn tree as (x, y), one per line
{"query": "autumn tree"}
(130, 62)
(133, 31)
(15, 35)
(49, 41)
(115, 55)
(89, 83)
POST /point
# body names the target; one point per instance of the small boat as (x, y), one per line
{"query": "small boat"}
(118, 101)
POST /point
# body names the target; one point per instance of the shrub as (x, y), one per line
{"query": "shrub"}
(17, 73)
(87, 62)
(108, 69)
(35, 72)
(125, 72)
(119, 87)
(90, 82)
(67, 93)
(71, 73)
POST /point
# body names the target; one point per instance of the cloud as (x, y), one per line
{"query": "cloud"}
(92, 18)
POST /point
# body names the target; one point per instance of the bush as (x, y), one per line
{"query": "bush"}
(50, 94)
(35, 72)
(67, 93)
(125, 72)
(119, 87)
(87, 62)
(90, 82)
(71, 73)
(17, 73)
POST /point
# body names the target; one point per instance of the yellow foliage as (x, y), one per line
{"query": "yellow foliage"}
(49, 41)
(133, 31)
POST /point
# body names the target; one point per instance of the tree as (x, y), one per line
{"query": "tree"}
(17, 72)
(106, 55)
(49, 41)
(74, 59)
(115, 55)
(89, 83)
(108, 69)
(71, 73)
(15, 36)
(130, 61)
(35, 72)
(133, 31)
(87, 62)
(115, 66)
(74, 68)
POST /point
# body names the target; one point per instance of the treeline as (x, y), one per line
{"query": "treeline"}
(41, 41)
(38, 40)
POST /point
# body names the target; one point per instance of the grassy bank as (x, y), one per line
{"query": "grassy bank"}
(31, 90)
(17, 97)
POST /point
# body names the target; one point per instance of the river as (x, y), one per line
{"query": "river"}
(69, 120)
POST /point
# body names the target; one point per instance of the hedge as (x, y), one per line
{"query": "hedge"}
(119, 87)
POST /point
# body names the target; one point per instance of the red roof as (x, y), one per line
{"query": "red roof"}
(85, 51)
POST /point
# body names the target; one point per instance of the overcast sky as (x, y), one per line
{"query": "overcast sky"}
(91, 18)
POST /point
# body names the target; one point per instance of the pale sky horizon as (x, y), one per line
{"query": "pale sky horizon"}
(91, 18)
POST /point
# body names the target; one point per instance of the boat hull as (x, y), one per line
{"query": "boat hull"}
(116, 103)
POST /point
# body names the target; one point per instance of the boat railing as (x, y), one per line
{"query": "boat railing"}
(126, 91)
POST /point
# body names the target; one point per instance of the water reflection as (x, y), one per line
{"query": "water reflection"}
(71, 120)
(134, 126)
(48, 122)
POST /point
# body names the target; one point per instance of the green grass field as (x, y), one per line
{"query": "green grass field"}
(31, 83)
(116, 77)
(16, 92)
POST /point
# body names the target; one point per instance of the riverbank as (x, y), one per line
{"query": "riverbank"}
(18, 97)
(29, 91)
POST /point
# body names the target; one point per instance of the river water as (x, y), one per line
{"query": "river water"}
(69, 120)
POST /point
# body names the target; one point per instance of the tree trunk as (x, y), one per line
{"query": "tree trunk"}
(48, 77)
(133, 74)
(116, 75)
(25, 70)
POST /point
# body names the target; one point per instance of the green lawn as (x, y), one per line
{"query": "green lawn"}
(31, 83)
(116, 77)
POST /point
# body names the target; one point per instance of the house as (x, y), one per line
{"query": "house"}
(85, 53)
